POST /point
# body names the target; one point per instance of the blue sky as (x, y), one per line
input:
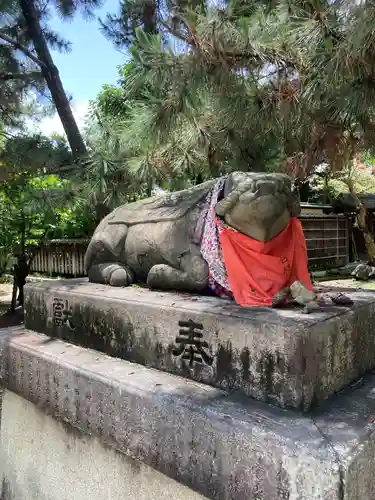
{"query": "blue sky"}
(92, 62)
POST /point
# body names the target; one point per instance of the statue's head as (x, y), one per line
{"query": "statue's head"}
(258, 205)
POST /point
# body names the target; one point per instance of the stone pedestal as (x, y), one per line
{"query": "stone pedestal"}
(182, 384)
(222, 446)
(283, 357)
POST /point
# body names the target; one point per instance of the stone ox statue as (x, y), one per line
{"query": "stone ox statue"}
(164, 241)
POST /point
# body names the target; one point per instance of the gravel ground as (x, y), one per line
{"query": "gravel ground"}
(7, 319)
(349, 283)
(5, 295)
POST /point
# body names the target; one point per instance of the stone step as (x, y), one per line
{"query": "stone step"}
(222, 446)
(283, 357)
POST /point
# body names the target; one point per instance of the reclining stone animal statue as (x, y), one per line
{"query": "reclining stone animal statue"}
(171, 241)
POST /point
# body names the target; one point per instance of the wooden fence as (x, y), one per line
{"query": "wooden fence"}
(60, 258)
(327, 239)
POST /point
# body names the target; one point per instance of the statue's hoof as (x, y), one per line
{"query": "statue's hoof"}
(157, 276)
(120, 277)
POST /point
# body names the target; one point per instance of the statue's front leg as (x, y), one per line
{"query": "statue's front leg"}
(111, 273)
(191, 276)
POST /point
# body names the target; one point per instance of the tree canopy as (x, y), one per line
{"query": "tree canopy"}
(256, 85)
(26, 61)
(208, 88)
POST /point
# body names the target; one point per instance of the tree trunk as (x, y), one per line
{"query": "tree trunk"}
(149, 20)
(13, 303)
(52, 77)
(362, 222)
(21, 270)
(23, 252)
(101, 211)
(150, 186)
(212, 160)
(23, 232)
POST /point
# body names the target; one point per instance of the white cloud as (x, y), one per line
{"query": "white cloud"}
(52, 125)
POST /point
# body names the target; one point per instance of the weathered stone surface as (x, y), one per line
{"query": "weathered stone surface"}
(224, 447)
(158, 240)
(42, 458)
(283, 357)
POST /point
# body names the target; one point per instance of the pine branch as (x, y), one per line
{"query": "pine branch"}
(217, 54)
(22, 48)
(172, 31)
(4, 76)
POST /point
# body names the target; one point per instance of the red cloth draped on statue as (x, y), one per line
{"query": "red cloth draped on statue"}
(257, 271)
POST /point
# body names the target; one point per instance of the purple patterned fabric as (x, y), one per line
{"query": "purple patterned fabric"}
(210, 245)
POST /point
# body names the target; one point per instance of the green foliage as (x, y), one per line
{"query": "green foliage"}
(69, 8)
(132, 14)
(18, 75)
(178, 118)
(363, 181)
(26, 62)
(264, 85)
(37, 200)
(79, 221)
(111, 102)
(210, 88)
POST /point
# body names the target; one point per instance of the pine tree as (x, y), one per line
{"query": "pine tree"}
(290, 80)
(208, 107)
(132, 14)
(287, 84)
(17, 75)
(23, 30)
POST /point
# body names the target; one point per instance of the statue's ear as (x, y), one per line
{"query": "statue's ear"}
(222, 205)
(228, 185)
(294, 205)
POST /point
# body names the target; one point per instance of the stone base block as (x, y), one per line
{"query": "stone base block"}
(42, 458)
(283, 357)
(223, 447)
